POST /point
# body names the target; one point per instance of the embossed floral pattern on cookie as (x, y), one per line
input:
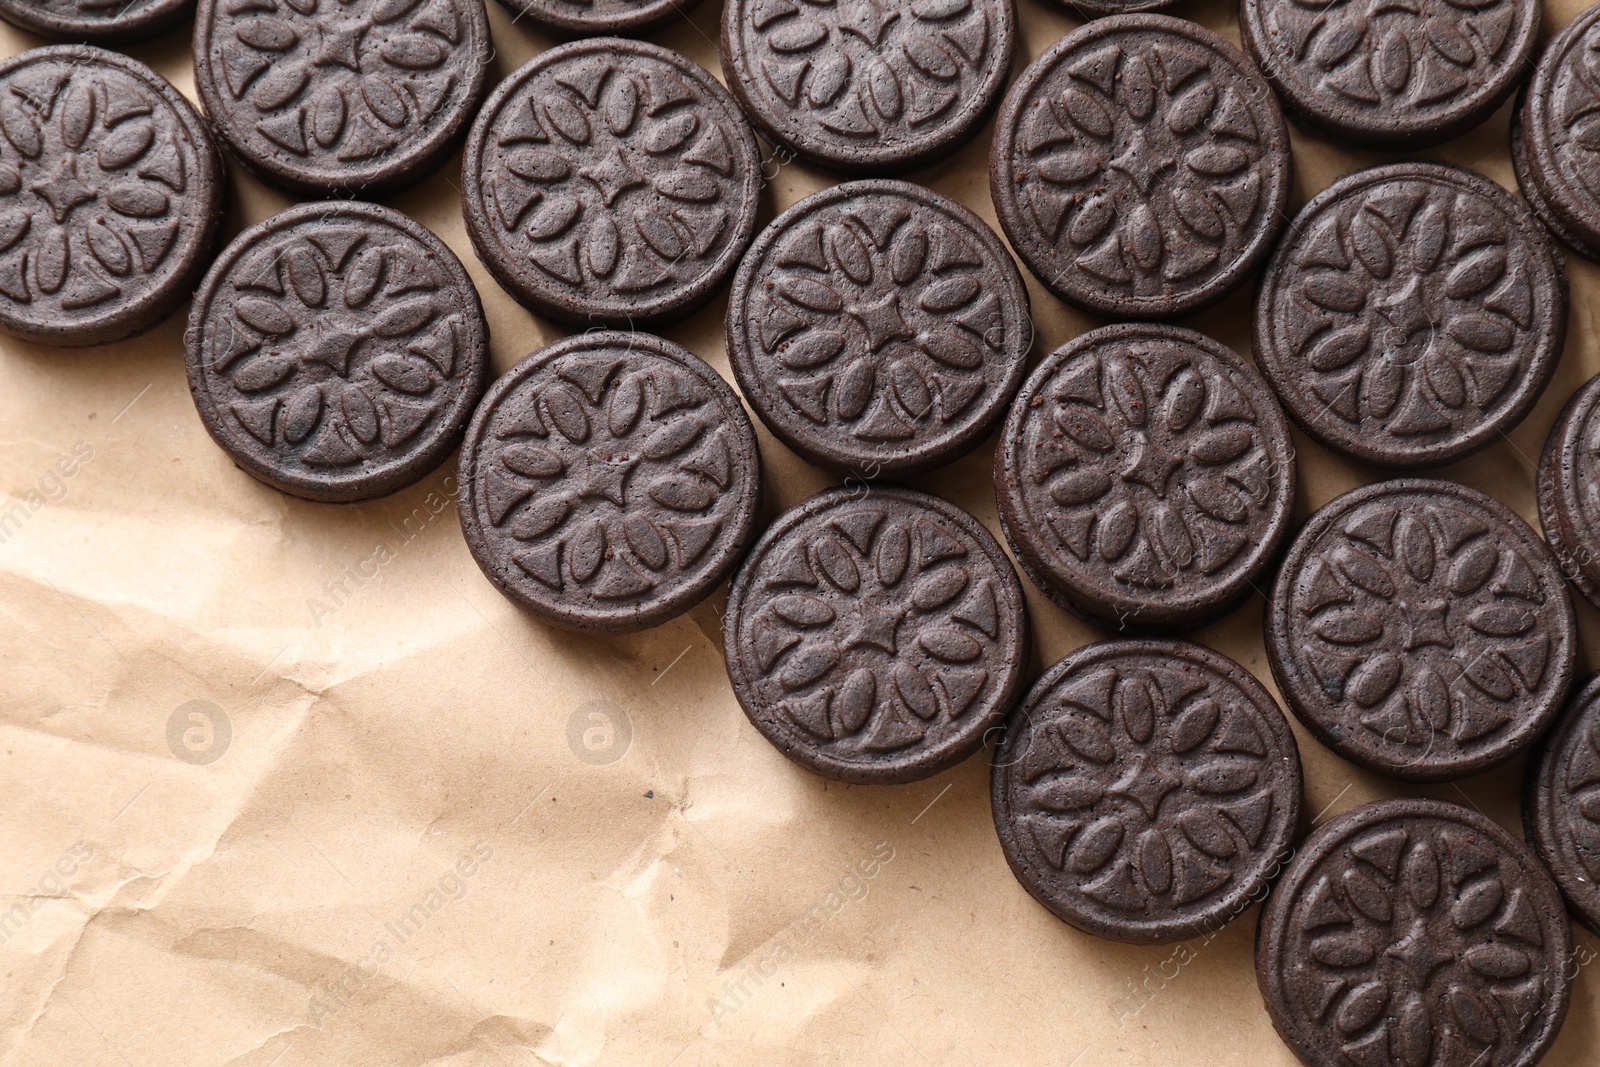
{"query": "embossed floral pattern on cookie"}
(1415, 932)
(879, 326)
(876, 639)
(337, 352)
(1421, 629)
(1144, 789)
(1412, 315)
(613, 481)
(1140, 166)
(612, 182)
(861, 84)
(357, 95)
(109, 196)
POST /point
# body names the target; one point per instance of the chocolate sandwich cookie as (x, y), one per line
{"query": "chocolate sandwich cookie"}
(609, 482)
(1145, 477)
(876, 637)
(1147, 791)
(592, 18)
(878, 328)
(1568, 486)
(360, 97)
(868, 85)
(105, 22)
(1141, 167)
(1421, 629)
(1412, 314)
(1561, 803)
(1555, 139)
(1413, 931)
(336, 351)
(611, 182)
(111, 196)
(1391, 76)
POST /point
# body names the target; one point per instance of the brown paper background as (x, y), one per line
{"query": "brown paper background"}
(686, 903)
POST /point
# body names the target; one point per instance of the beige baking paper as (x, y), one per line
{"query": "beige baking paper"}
(286, 783)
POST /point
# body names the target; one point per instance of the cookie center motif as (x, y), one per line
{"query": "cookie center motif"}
(1418, 949)
(608, 475)
(1137, 163)
(1150, 468)
(1427, 625)
(90, 165)
(869, 70)
(339, 81)
(1150, 785)
(876, 629)
(1412, 306)
(339, 346)
(880, 321)
(610, 178)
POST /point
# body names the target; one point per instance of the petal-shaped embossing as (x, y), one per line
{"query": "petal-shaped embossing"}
(1136, 708)
(383, 100)
(1194, 726)
(538, 165)
(670, 133)
(1430, 697)
(125, 144)
(811, 349)
(1445, 378)
(1208, 832)
(1361, 1008)
(1477, 904)
(1482, 331)
(360, 414)
(1364, 893)
(539, 518)
(1419, 875)
(407, 316)
(138, 201)
(1501, 620)
(690, 184)
(1155, 860)
(1453, 44)
(1339, 348)
(1192, 108)
(414, 52)
(804, 610)
(1068, 168)
(1086, 428)
(1222, 445)
(108, 248)
(21, 129)
(807, 664)
(1342, 951)
(681, 492)
(798, 35)
(829, 75)
(1170, 532)
(566, 408)
(1219, 501)
(849, 253)
(1334, 292)
(263, 316)
(1363, 568)
(567, 120)
(532, 461)
(1080, 486)
(1087, 113)
(1412, 1039)
(855, 388)
(305, 276)
(892, 556)
(1348, 626)
(328, 114)
(1224, 776)
(935, 590)
(1374, 680)
(915, 691)
(1497, 961)
(403, 374)
(1372, 244)
(836, 564)
(939, 10)
(1115, 531)
(1069, 793)
(1473, 567)
(1477, 1019)
(1138, 87)
(267, 34)
(952, 348)
(671, 438)
(1217, 160)
(909, 256)
(1088, 739)
(811, 295)
(1416, 551)
(1393, 62)
(1186, 396)
(1478, 270)
(1198, 213)
(263, 372)
(952, 646)
(1091, 220)
(302, 414)
(855, 700)
(932, 58)
(1094, 847)
(949, 294)
(1141, 237)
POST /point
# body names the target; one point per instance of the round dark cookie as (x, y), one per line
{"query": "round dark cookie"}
(1145, 477)
(609, 482)
(876, 637)
(879, 328)
(1569, 505)
(1140, 167)
(1556, 135)
(868, 85)
(1147, 791)
(1421, 629)
(611, 182)
(1412, 314)
(336, 351)
(1415, 931)
(111, 196)
(593, 18)
(1395, 76)
(102, 22)
(358, 97)
(1561, 803)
